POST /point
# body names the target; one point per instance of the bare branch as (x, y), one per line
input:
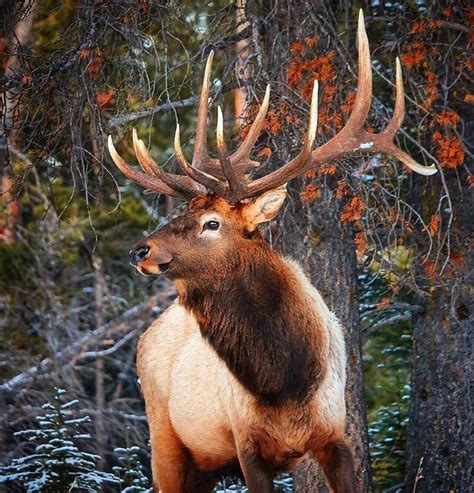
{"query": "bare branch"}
(70, 353)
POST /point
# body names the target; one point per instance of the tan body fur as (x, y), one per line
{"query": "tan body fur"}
(192, 399)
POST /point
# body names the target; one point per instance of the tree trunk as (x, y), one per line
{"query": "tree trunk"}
(440, 447)
(314, 235)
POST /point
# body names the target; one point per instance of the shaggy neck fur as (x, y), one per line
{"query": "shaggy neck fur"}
(257, 319)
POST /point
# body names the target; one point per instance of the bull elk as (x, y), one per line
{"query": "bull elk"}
(246, 369)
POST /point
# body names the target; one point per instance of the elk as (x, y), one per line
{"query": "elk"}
(246, 370)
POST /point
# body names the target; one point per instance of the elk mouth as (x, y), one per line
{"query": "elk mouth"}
(164, 266)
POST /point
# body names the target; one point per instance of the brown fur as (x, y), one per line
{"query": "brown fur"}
(261, 321)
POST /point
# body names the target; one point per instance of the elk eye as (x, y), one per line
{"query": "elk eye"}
(212, 225)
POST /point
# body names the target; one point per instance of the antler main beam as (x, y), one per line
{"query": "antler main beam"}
(228, 176)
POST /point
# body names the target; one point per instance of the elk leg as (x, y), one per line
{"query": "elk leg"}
(337, 462)
(200, 481)
(170, 463)
(258, 475)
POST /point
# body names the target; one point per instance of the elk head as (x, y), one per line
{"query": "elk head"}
(225, 204)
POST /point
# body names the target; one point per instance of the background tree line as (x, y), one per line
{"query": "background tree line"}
(390, 251)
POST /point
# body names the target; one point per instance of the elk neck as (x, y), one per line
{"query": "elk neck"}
(259, 320)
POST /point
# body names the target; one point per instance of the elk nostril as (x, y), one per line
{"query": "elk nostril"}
(142, 253)
(139, 255)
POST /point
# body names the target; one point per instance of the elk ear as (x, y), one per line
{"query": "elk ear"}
(264, 208)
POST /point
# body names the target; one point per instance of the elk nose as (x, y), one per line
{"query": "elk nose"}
(139, 254)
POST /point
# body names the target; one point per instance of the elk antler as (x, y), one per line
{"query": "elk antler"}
(352, 138)
(205, 174)
(228, 176)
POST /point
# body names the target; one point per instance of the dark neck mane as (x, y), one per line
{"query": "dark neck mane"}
(256, 320)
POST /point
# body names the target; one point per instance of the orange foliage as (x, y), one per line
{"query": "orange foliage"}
(349, 103)
(418, 27)
(293, 120)
(414, 54)
(342, 189)
(470, 15)
(265, 152)
(448, 12)
(311, 192)
(433, 227)
(430, 268)
(327, 169)
(423, 26)
(105, 99)
(329, 92)
(354, 210)
(297, 48)
(322, 67)
(448, 117)
(470, 181)
(469, 98)
(294, 73)
(311, 41)
(449, 150)
(457, 259)
(431, 88)
(384, 302)
(272, 123)
(93, 68)
(360, 242)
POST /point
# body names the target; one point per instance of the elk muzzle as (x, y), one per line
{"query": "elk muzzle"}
(149, 259)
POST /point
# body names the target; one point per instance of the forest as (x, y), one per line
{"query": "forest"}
(390, 250)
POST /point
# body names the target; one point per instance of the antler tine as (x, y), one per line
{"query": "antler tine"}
(200, 148)
(385, 138)
(364, 83)
(145, 164)
(244, 150)
(209, 181)
(146, 181)
(399, 111)
(151, 167)
(295, 166)
(235, 186)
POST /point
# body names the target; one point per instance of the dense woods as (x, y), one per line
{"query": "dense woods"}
(390, 251)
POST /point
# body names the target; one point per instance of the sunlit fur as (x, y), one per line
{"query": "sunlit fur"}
(248, 360)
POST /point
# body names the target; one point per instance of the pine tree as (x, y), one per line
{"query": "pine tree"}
(57, 464)
(131, 471)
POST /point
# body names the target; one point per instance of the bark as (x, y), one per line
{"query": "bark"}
(440, 439)
(99, 424)
(440, 446)
(314, 235)
(242, 68)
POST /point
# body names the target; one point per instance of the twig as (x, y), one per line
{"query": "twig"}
(71, 352)
(111, 350)
(401, 317)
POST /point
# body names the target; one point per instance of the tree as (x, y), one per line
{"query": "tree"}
(131, 470)
(57, 463)
(102, 67)
(440, 425)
